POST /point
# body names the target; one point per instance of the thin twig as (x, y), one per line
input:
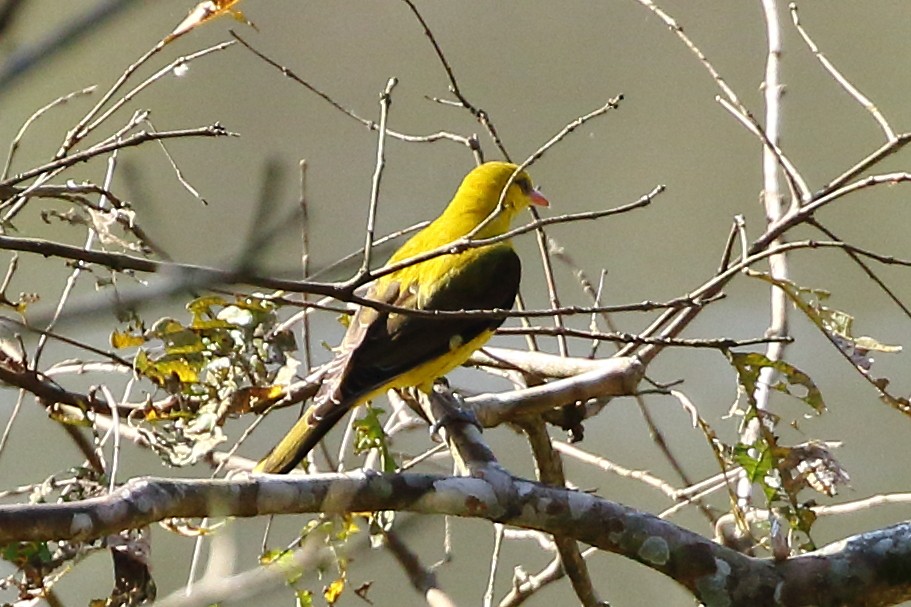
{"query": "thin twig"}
(181, 179)
(215, 130)
(605, 464)
(882, 152)
(79, 131)
(856, 257)
(795, 179)
(498, 529)
(722, 343)
(385, 102)
(14, 145)
(469, 142)
(728, 249)
(852, 90)
(654, 432)
(480, 115)
(802, 214)
(168, 69)
(303, 205)
(15, 204)
(77, 271)
(423, 579)
(611, 104)
(729, 98)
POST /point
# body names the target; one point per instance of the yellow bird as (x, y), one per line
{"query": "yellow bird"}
(383, 350)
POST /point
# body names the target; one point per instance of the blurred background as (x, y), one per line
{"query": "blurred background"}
(533, 66)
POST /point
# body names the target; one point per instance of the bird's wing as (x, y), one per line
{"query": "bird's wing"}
(381, 346)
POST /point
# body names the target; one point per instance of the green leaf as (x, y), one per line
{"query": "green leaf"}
(370, 435)
(793, 382)
(304, 598)
(20, 553)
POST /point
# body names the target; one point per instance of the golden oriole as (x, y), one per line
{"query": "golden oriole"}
(383, 350)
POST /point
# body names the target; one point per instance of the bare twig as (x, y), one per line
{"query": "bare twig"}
(729, 98)
(723, 343)
(802, 214)
(856, 257)
(215, 130)
(469, 142)
(168, 69)
(654, 432)
(884, 151)
(423, 580)
(14, 145)
(385, 102)
(305, 264)
(79, 131)
(177, 170)
(480, 115)
(849, 88)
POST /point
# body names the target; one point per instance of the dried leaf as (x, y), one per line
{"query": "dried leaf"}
(133, 583)
(837, 324)
(253, 398)
(204, 12)
(814, 465)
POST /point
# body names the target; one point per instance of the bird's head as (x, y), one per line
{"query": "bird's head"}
(479, 196)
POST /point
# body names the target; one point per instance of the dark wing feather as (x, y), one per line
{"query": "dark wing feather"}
(381, 346)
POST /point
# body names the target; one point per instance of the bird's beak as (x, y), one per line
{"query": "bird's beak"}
(537, 198)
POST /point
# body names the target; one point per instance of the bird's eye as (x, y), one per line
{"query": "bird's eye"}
(524, 184)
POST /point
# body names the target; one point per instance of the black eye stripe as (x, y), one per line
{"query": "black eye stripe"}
(524, 184)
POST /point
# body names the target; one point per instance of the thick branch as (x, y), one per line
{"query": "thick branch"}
(870, 569)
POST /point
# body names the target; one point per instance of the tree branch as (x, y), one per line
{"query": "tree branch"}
(713, 573)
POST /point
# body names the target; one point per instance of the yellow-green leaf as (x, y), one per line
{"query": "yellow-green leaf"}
(333, 591)
(794, 382)
(163, 371)
(125, 339)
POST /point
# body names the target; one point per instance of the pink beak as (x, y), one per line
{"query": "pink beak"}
(537, 198)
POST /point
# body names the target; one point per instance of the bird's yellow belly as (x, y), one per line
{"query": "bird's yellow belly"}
(423, 376)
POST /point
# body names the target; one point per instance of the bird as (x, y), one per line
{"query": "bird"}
(386, 349)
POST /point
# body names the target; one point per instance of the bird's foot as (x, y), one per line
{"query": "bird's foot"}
(455, 411)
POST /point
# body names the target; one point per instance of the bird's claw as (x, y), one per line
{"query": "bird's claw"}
(458, 416)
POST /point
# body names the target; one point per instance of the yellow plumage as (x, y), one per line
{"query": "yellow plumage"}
(396, 350)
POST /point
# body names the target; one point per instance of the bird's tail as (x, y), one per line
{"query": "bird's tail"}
(306, 433)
